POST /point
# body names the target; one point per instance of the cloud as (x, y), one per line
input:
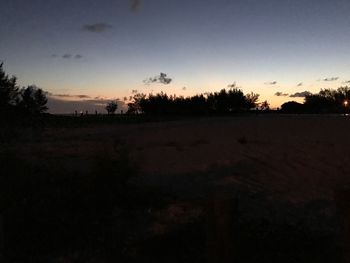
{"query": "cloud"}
(300, 94)
(184, 88)
(97, 28)
(271, 83)
(69, 96)
(233, 85)
(300, 84)
(62, 106)
(281, 94)
(346, 82)
(67, 56)
(162, 78)
(135, 5)
(331, 79)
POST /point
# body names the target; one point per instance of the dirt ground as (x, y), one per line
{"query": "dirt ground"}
(297, 157)
(284, 169)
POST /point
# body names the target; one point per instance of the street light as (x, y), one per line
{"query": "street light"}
(345, 106)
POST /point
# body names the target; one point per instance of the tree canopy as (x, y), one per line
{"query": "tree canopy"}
(33, 100)
(8, 90)
(111, 107)
(16, 101)
(222, 102)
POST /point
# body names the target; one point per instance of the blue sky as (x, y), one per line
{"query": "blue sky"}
(107, 48)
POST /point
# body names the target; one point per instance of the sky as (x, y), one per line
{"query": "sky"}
(92, 51)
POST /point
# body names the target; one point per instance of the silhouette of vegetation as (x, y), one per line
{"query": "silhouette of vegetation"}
(264, 106)
(19, 102)
(134, 107)
(326, 101)
(222, 102)
(32, 100)
(8, 92)
(111, 107)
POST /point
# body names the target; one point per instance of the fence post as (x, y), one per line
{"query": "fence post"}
(221, 219)
(342, 200)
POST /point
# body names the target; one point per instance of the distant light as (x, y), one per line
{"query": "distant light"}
(346, 103)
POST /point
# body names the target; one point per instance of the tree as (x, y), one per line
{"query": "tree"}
(139, 103)
(251, 100)
(265, 105)
(32, 100)
(111, 107)
(8, 91)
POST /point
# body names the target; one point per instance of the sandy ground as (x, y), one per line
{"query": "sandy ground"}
(284, 171)
(295, 157)
(299, 157)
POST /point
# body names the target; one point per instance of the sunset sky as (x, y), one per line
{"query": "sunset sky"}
(90, 51)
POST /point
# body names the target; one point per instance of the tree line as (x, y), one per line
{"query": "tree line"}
(225, 101)
(326, 101)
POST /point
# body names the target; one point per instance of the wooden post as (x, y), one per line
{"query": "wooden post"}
(221, 219)
(342, 200)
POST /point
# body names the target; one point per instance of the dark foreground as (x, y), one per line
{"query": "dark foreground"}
(244, 189)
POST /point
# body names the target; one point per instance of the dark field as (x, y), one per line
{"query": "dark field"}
(247, 189)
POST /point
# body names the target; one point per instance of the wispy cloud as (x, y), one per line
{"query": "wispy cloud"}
(300, 94)
(300, 84)
(135, 5)
(69, 96)
(271, 83)
(346, 82)
(97, 28)
(161, 78)
(67, 56)
(330, 79)
(281, 94)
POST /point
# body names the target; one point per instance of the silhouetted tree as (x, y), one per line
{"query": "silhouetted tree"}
(135, 107)
(32, 100)
(327, 100)
(8, 92)
(111, 107)
(251, 100)
(222, 102)
(265, 106)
